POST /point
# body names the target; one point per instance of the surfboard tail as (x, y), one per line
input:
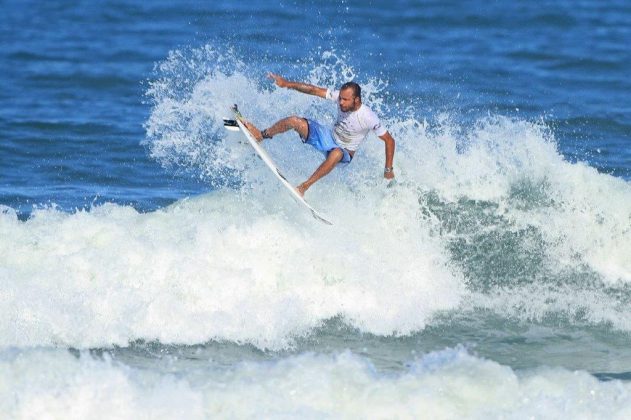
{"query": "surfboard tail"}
(236, 111)
(320, 218)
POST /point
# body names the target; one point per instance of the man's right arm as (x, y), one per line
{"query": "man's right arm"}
(300, 87)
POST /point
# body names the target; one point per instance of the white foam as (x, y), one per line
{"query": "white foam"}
(586, 219)
(444, 384)
(256, 270)
(590, 222)
(537, 302)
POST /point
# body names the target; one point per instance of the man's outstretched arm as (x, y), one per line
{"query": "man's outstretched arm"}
(388, 172)
(300, 87)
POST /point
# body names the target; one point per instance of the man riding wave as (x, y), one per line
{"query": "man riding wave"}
(354, 121)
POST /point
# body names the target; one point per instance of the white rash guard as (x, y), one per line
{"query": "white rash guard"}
(352, 128)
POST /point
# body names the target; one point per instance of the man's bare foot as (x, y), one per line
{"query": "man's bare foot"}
(301, 189)
(255, 131)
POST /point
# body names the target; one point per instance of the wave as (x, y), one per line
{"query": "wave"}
(506, 162)
(217, 267)
(445, 384)
(485, 214)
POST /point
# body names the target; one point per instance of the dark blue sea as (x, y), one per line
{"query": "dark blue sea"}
(152, 267)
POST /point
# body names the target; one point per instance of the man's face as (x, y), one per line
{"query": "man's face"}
(348, 102)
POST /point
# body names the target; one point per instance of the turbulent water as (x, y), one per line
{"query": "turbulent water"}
(151, 267)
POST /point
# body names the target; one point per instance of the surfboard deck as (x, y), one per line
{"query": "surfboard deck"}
(237, 124)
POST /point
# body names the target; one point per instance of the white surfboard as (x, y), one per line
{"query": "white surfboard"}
(237, 124)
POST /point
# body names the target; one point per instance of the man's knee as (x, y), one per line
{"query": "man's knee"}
(335, 154)
(299, 124)
(296, 121)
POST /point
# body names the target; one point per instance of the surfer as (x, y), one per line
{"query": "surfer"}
(354, 121)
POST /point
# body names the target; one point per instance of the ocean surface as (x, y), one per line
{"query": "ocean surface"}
(152, 267)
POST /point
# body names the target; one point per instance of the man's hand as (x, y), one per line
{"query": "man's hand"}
(279, 80)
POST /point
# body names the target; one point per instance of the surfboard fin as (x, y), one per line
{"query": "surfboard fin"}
(230, 124)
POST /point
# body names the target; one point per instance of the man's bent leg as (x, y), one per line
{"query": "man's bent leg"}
(296, 123)
(332, 159)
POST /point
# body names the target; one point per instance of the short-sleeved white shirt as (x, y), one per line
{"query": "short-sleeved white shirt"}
(352, 128)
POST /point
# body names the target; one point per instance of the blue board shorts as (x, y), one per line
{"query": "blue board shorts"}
(321, 138)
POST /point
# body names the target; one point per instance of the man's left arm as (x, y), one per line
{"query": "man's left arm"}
(388, 171)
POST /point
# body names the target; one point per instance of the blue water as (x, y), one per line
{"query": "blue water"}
(139, 238)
